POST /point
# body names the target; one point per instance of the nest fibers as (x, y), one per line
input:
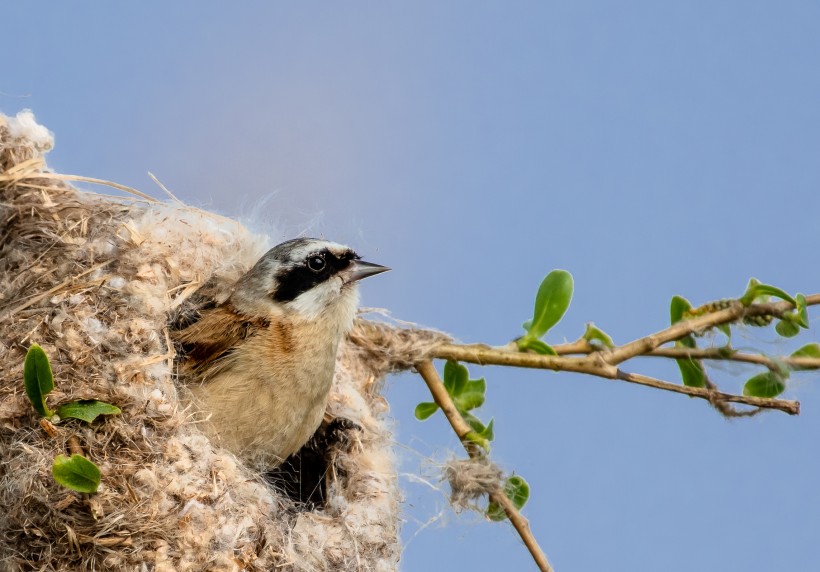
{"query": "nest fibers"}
(92, 279)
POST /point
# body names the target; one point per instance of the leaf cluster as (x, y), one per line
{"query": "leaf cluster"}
(467, 394)
(767, 384)
(76, 473)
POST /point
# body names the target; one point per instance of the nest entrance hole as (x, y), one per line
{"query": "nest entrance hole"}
(304, 476)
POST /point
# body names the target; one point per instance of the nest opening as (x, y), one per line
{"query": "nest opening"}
(305, 476)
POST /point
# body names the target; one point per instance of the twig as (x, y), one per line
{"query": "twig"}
(428, 372)
(603, 363)
(595, 364)
(790, 407)
(683, 328)
(719, 354)
(583, 347)
(74, 446)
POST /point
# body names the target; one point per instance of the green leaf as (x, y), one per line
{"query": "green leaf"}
(455, 377)
(77, 473)
(551, 302)
(425, 410)
(527, 324)
(691, 371)
(677, 307)
(802, 311)
(537, 346)
(475, 437)
(38, 379)
(517, 490)
(809, 350)
(768, 384)
(596, 336)
(86, 410)
(488, 432)
(787, 328)
(755, 289)
(474, 422)
(472, 396)
(480, 434)
(726, 329)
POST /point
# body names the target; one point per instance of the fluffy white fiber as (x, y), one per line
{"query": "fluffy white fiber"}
(93, 280)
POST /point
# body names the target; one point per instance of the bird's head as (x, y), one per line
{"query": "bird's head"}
(307, 277)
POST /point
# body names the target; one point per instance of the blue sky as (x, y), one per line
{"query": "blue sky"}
(650, 148)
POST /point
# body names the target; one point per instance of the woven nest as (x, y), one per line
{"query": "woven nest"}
(93, 280)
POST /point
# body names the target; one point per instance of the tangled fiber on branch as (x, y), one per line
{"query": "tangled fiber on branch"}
(93, 279)
(470, 480)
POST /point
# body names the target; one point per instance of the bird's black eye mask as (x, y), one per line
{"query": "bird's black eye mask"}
(315, 269)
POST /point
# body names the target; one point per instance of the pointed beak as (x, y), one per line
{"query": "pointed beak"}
(359, 269)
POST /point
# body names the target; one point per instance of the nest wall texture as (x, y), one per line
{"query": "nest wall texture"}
(92, 279)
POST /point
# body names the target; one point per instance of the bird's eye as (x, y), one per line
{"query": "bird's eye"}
(316, 263)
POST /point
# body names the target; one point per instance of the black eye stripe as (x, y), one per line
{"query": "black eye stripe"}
(296, 279)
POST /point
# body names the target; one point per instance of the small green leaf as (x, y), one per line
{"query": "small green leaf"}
(488, 432)
(677, 307)
(691, 371)
(809, 350)
(472, 396)
(86, 410)
(787, 328)
(596, 336)
(425, 410)
(755, 289)
(537, 346)
(768, 384)
(517, 490)
(480, 434)
(38, 379)
(455, 377)
(77, 473)
(726, 329)
(551, 302)
(527, 324)
(474, 422)
(802, 311)
(475, 437)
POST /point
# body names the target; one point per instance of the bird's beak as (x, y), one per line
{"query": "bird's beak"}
(359, 269)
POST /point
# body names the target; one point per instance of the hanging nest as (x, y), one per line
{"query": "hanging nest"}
(93, 279)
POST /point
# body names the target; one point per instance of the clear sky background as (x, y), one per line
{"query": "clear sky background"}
(650, 148)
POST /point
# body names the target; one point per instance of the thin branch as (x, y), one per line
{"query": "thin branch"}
(683, 328)
(595, 364)
(719, 354)
(428, 372)
(603, 363)
(790, 407)
(485, 355)
(583, 347)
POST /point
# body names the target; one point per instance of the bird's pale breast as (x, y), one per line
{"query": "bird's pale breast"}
(268, 397)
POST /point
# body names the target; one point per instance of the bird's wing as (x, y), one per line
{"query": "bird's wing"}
(213, 336)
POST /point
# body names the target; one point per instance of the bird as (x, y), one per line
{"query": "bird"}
(259, 365)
